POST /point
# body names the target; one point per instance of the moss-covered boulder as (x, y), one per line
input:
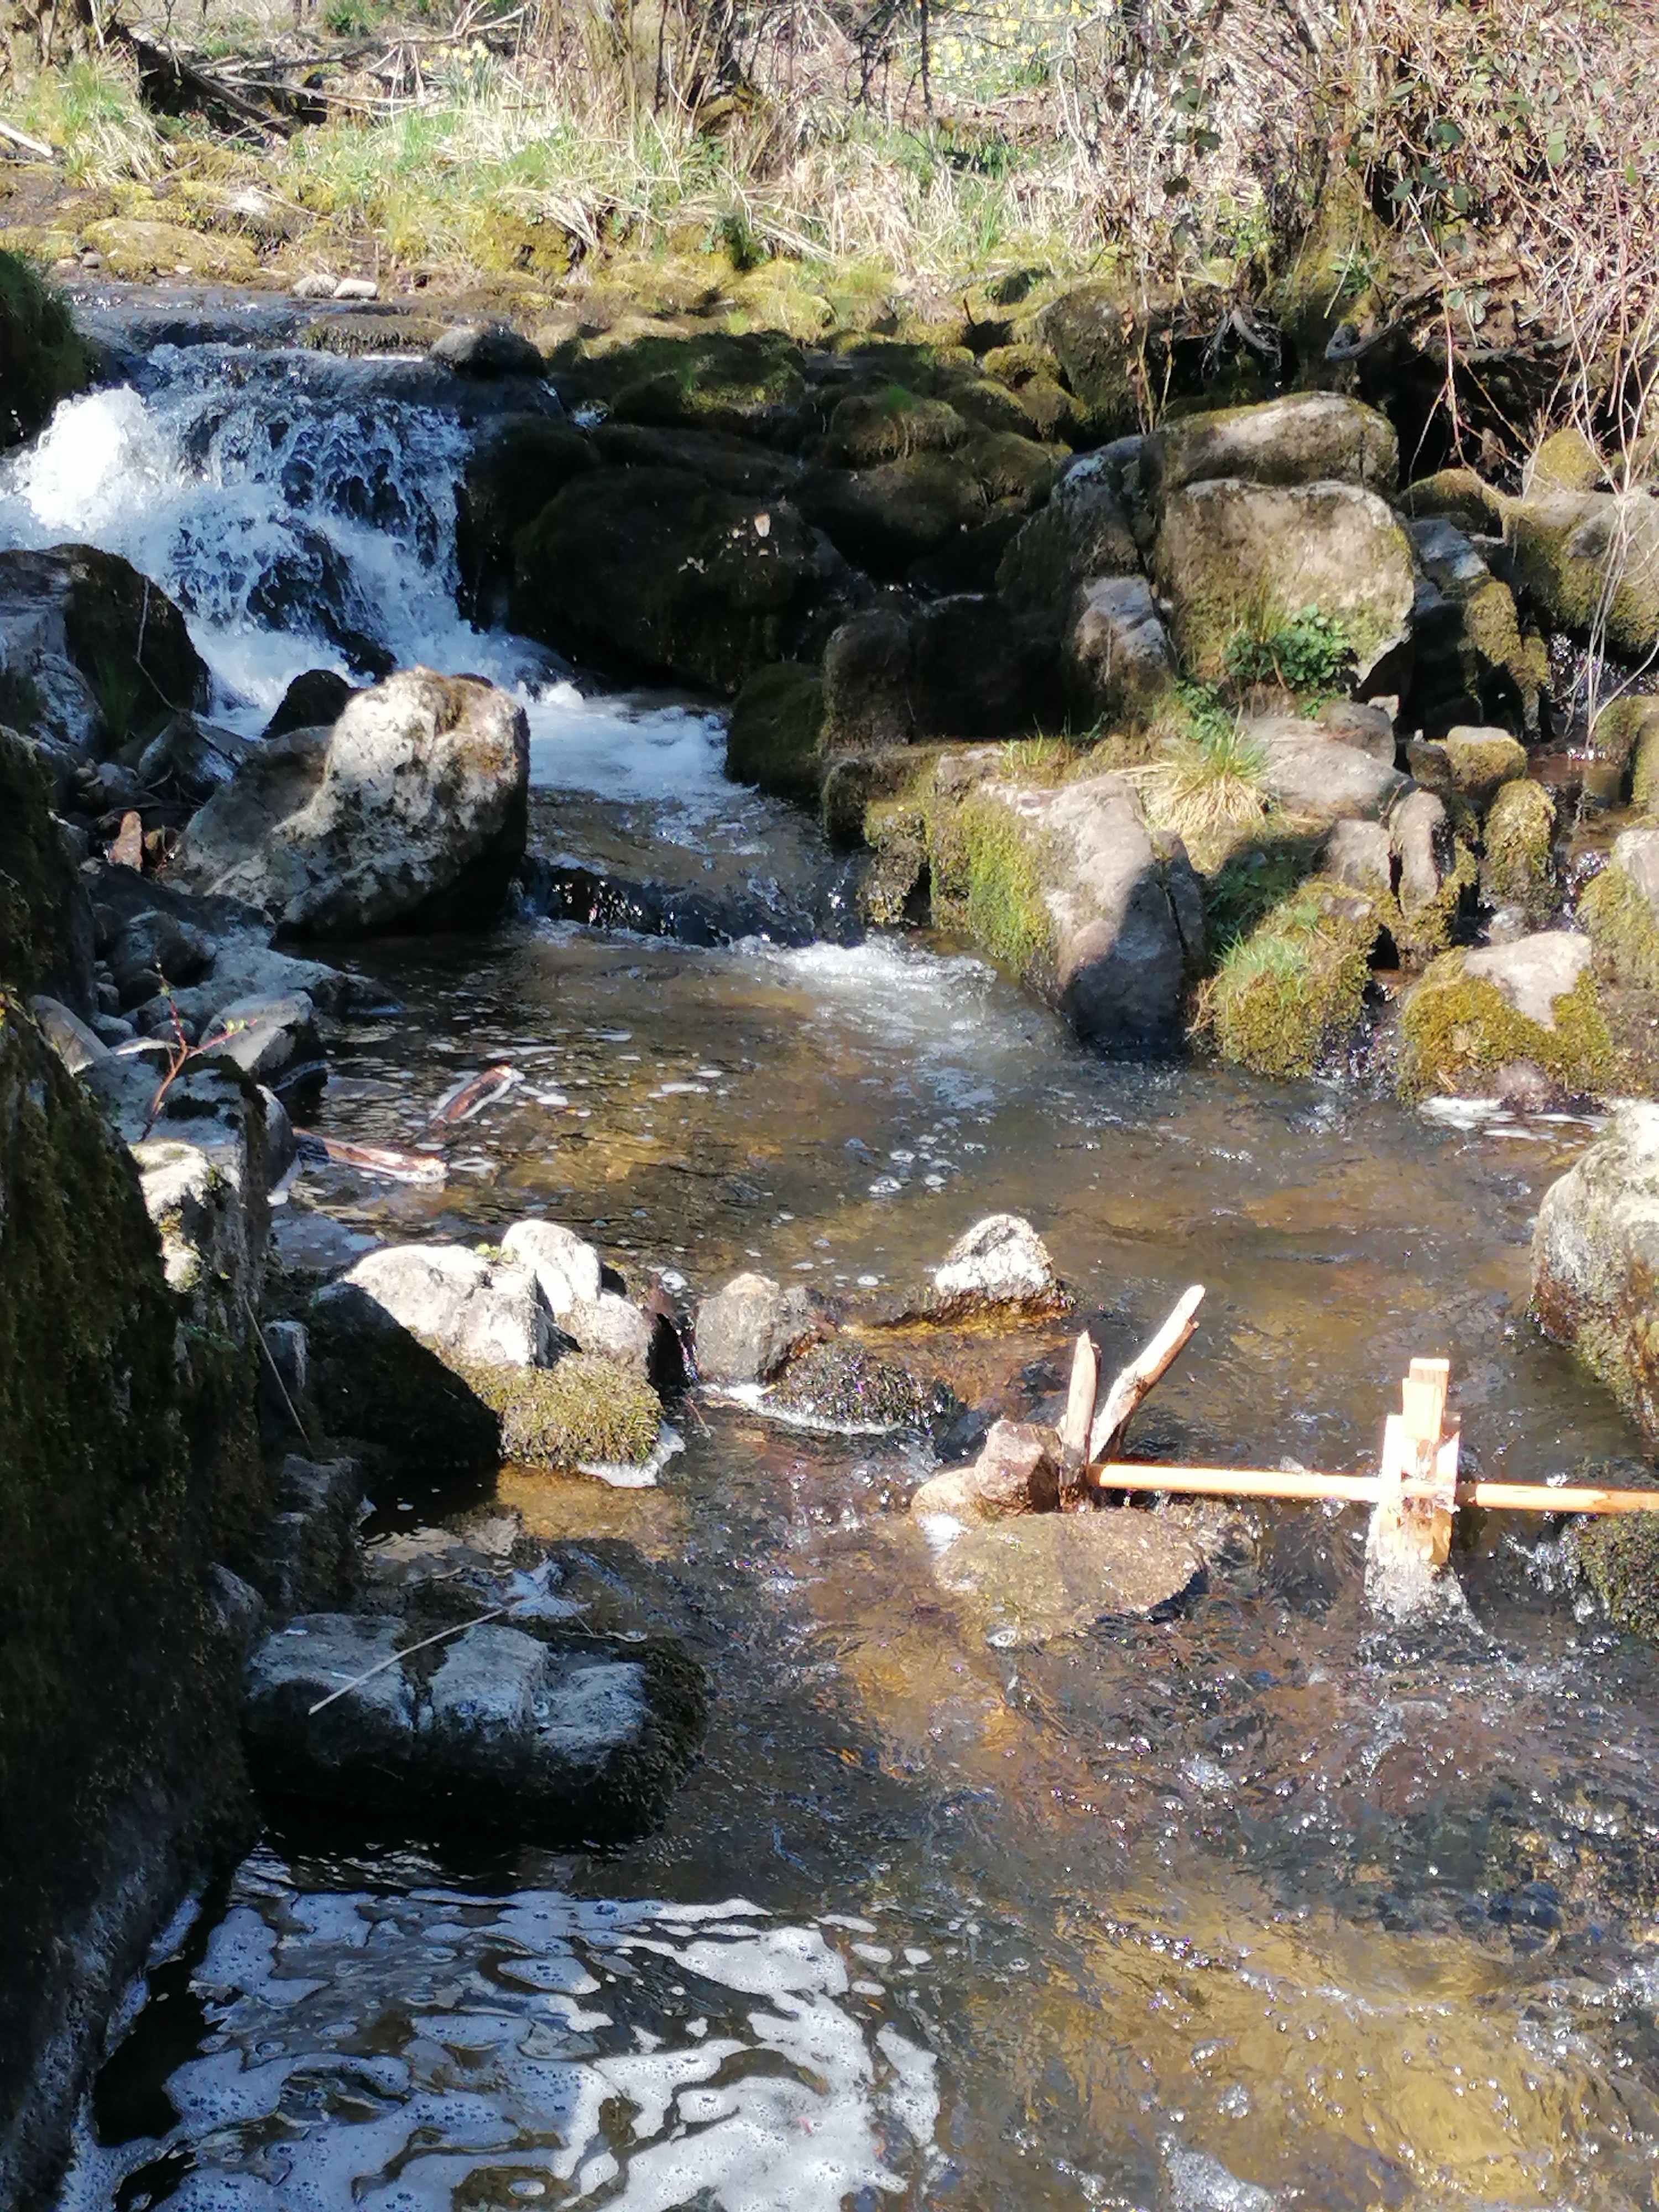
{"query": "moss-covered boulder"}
(45, 920)
(1595, 1261)
(1472, 762)
(1531, 1002)
(1516, 869)
(42, 359)
(748, 385)
(1617, 1554)
(1307, 437)
(1631, 726)
(1329, 281)
(886, 517)
(1239, 559)
(1290, 993)
(109, 657)
(890, 423)
(1112, 340)
(1566, 461)
(659, 571)
(1590, 561)
(772, 738)
(1458, 496)
(517, 467)
(1620, 908)
(139, 251)
(1082, 532)
(1468, 640)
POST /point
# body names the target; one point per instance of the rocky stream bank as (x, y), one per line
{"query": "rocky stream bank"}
(1220, 738)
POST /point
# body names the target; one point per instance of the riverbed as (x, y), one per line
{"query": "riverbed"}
(1259, 1905)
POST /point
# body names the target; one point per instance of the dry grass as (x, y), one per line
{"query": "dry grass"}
(1207, 786)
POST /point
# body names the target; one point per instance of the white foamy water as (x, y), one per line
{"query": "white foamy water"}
(304, 519)
(632, 2055)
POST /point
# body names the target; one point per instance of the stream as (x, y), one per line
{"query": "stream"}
(1263, 1904)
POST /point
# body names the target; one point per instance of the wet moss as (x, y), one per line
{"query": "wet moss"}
(1292, 990)
(1622, 928)
(1456, 1029)
(42, 359)
(1519, 832)
(987, 870)
(585, 1411)
(772, 738)
(1644, 715)
(1620, 1557)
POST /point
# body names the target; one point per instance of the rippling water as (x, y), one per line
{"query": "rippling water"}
(1258, 1906)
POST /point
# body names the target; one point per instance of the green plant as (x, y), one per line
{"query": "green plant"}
(1309, 653)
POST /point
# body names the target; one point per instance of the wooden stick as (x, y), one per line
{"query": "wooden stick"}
(1143, 1371)
(1079, 1411)
(14, 137)
(425, 1645)
(1364, 1489)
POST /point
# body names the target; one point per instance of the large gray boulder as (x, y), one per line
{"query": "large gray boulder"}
(1305, 438)
(409, 813)
(1312, 774)
(451, 1297)
(508, 1735)
(1230, 553)
(1590, 560)
(1595, 1261)
(105, 654)
(748, 1329)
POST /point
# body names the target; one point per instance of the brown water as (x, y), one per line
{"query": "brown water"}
(1229, 1910)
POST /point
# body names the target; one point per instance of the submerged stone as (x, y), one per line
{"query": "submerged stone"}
(1033, 1580)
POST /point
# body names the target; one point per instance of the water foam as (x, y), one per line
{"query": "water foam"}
(637, 2055)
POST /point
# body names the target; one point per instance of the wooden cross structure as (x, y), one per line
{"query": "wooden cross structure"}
(1414, 1494)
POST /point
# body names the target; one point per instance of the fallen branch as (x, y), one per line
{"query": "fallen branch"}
(425, 1645)
(1143, 1371)
(13, 137)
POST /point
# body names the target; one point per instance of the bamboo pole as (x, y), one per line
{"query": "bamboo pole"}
(1364, 1489)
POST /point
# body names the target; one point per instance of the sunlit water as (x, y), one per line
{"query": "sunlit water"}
(1259, 1906)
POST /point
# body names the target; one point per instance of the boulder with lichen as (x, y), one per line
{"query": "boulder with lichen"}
(1532, 1002)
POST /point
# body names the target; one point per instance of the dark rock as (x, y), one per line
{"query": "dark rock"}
(487, 350)
(273, 1041)
(735, 464)
(314, 701)
(746, 1331)
(1082, 533)
(866, 681)
(46, 922)
(42, 359)
(188, 760)
(772, 738)
(1120, 667)
(156, 949)
(661, 570)
(309, 1556)
(77, 621)
(519, 464)
(887, 517)
(1034, 1578)
(834, 1384)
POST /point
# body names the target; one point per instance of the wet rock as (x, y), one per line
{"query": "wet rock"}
(1314, 775)
(157, 948)
(1595, 1257)
(734, 464)
(42, 359)
(999, 1265)
(1016, 1471)
(487, 350)
(1305, 438)
(519, 464)
(308, 1558)
(314, 701)
(866, 682)
(284, 1382)
(1474, 763)
(1224, 545)
(1590, 560)
(1466, 638)
(774, 737)
(747, 1330)
(1065, 882)
(885, 518)
(839, 1385)
(106, 653)
(498, 1733)
(1120, 663)
(75, 1043)
(273, 1041)
(1033, 1579)
(410, 811)
(662, 570)
(1532, 1000)
(1619, 1554)
(568, 1269)
(45, 921)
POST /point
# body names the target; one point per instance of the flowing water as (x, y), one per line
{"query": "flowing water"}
(1262, 1904)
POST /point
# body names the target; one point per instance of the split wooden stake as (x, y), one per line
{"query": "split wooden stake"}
(1106, 1435)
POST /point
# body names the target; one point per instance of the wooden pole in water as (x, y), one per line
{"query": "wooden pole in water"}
(1364, 1489)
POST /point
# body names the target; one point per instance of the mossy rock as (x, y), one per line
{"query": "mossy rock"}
(748, 385)
(1014, 473)
(139, 251)
(889, 424)
(1331, 278)
(884, 517)
(1292, 991)
(1112, 340)
(46, 922)
(773, 736)
(1457, 1029)
(987, 870)
(42, 359)
(1629, 729)
(1566, 461)
(1590, 561)
(1458, 496)
(353, 336)
(584, 1412)
(520, 465)
(1618, 1556)
(1622, 927)
(1519, 832)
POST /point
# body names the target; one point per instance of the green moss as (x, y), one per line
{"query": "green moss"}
(1293, 989)
(1566, 461)
(1640, 717)
(886, 425)
(42, 359)
(987, 874)
(45, 924)
(1332, 278)
(1421, 931)
(1456, 1029)
(1481, 762)
(1458, 496)
(1251, 883)
(585, 1411)
(1622, 928)
(773, 736)
(1519, 833)
(1618, 1555)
